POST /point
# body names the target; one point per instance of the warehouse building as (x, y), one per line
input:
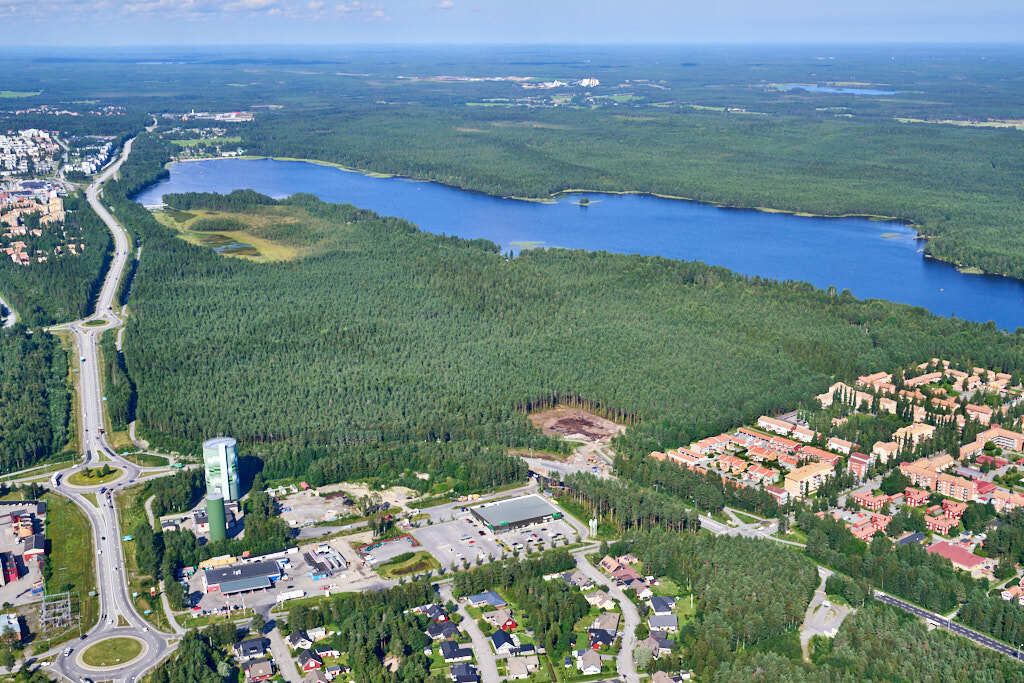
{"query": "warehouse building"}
(513, 513)
(241, 578)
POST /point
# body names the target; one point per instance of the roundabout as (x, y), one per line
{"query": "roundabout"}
(112, 653)
(95, 476)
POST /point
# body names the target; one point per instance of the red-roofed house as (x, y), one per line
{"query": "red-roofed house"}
(770, 424)
(780, 494)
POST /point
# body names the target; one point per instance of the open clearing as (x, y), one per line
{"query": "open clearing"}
(112, 652)
(576, 425)
(238, 243)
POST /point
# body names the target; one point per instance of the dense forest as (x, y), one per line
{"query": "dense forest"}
(61, 288)
(961, 186)
(382, 334)
(35, 403)
(738, 602)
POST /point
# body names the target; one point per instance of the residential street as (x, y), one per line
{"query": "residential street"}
(487, 664)
(630, 617)
(283, 657)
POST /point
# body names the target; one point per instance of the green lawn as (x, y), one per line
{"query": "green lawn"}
(112, 651)
(747, 519)
(146, 459)
(95, 323)
(91, 477)
(419, 563)
(71, 552)
(130, 511)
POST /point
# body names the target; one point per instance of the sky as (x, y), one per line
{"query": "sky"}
(326, 22)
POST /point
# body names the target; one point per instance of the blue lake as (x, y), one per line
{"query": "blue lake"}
(833, 89)
(870, 258)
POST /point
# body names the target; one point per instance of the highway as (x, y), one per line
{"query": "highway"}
(952, 626)
(114, 597)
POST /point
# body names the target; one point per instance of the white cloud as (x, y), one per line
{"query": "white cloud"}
(445, 4)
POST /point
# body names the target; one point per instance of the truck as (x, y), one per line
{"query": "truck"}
(290, 595)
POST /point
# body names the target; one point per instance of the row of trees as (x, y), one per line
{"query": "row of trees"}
(629, 507)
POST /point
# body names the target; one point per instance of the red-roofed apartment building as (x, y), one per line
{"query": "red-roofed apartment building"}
(859, 464)
(940, 525)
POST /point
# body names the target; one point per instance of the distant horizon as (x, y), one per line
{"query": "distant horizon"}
(498, 45)
(96, 24)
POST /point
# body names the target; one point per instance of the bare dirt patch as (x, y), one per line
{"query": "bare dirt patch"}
(576, 425)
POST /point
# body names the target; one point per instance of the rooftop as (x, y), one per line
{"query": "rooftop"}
(515, 510)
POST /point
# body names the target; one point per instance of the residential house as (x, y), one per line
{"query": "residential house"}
(251, 648)
(663, 622)
(444, 630)
(299, 640)
(326, 652)
(486, 599)
(609, 564)
(607, 621)
(309, 660)
(658, 643)
(589, 663)
(317, 633)
(258, 670)
(501, 619)
(521, 667)
(453, 652)
(1004, 501)
(463, 672)
(502, 642)
(883, 450)
(600, 599)
(599, 637)
(662, 604)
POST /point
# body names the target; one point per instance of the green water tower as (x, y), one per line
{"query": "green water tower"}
(215, 515)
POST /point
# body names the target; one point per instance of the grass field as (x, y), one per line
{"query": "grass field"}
(95, 323)
(91, 477)
(262, 248)
(146, 459)
(71, 552)
(130, 511)
(195, 142)
(112, 651)
(419, 563)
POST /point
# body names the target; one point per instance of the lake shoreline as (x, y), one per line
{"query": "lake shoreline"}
(766, 242)
(568, 191)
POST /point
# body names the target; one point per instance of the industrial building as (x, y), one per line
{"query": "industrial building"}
(241, 578)
(515, 512)
(220, 457)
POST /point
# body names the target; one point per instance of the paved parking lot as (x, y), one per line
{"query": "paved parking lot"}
(465, 538)
(20, 592)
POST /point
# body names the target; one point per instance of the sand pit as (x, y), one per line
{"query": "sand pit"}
(576, 425)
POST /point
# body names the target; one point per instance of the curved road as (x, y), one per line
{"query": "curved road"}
(114, 596)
